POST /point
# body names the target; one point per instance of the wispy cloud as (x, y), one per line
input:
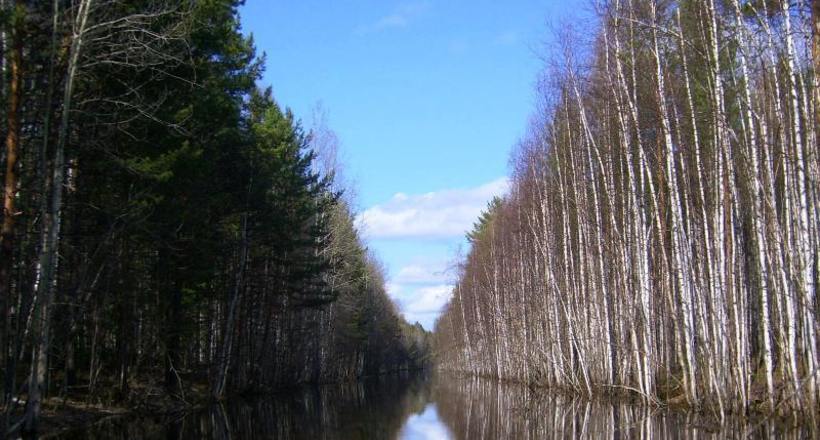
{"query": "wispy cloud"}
(422, 305)
(429, 299)
(440, 214)
(421, 274)
(400, 17)
(422, 287)
(421, 290)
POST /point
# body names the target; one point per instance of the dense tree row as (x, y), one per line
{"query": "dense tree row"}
(165, 219)
(661, 237)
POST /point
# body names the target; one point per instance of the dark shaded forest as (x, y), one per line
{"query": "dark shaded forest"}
(167, 225)
(372, 408)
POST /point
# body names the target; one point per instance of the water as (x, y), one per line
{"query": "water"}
(422, 407)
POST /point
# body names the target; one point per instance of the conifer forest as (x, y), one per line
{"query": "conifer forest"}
(166, 221)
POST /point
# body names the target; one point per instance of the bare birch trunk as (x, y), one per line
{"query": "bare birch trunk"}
(225, 353)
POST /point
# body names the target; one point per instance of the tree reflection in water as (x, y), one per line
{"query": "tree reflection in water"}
(372, 409)
(487, 409)
(419, 407)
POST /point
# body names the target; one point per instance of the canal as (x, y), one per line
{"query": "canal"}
(420, 407)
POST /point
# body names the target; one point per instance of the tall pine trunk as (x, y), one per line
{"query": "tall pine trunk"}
(14, 97)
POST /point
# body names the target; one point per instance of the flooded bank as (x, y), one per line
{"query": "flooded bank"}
(424, 406)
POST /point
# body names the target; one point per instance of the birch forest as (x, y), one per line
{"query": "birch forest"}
(169, 231)
(660, 240)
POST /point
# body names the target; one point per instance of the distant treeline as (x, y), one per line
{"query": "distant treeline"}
(661, 236)
(165, 221)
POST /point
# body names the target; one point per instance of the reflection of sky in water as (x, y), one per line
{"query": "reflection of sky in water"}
(430, 408)
(425, 426)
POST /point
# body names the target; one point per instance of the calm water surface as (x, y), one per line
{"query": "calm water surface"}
(423, 407)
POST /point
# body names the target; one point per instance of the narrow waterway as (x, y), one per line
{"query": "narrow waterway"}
(420, 407)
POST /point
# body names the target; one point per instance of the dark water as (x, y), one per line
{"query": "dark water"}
(423, 407)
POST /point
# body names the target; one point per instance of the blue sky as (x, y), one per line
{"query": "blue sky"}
(427, 98)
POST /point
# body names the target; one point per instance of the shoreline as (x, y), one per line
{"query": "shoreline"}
(62, 415)
(677, 404)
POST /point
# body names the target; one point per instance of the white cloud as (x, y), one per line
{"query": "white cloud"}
(400, 17)
(439, 214)
(420, 304)
(393, 289)
(421, 274)
(429, 299)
